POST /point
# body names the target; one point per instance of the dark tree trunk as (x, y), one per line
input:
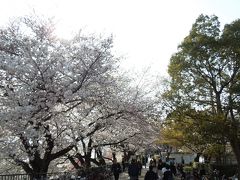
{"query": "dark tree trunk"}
(88, 154)
(73, 162)
(38, 166)
(114, 156)
(235, 144)
(100, 157)
(39, 169)
(80, 158)
(88, 160)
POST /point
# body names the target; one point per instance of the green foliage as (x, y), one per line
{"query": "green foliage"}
(187, 169)
(205, 87)
(196, 130)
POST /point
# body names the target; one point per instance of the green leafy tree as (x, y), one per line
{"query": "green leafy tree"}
(193, 130)
(205, 76)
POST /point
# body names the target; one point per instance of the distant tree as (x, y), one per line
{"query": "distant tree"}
(121, 118)
(205, 75)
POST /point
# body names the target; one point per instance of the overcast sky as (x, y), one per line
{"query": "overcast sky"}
(146, 32)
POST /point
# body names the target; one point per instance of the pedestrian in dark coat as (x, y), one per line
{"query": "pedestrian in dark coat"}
(140, 167)
(116, 169)
(133, 170)
(167, 175)
(151, 175)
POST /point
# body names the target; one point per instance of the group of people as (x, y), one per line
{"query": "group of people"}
(134, 169)
(160, 170)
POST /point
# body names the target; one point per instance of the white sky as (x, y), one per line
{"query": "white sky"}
(146, 32)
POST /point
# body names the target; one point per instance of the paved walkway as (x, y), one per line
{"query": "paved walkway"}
(124, 175)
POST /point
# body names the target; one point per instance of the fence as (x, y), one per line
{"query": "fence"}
(50, 176)
(15, 177)
(89, 174)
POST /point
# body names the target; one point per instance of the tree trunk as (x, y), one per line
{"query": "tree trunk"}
(88, 160)
(219, 103)
(73, 162)
(100, 157)
(236, 149)
(40, 170)
(114, 156)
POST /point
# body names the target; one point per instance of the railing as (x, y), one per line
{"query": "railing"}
(49, 176)
(15, 177)
(89, 174)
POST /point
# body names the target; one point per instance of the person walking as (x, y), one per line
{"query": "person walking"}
(116, 169)
(151, 175)
(133, 170)
(159, 168)
(167, 174)
(123, 163)
(140, 167)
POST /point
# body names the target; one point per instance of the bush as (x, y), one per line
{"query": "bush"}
(187, 169)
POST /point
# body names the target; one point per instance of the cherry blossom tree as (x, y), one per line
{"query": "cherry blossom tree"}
(66, 98)
(42, 80)
(122, 117)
